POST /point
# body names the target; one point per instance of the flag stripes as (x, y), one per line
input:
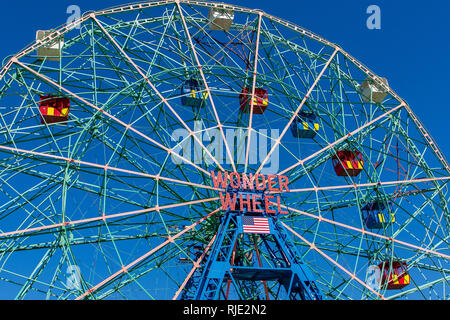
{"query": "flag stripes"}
(255, 225)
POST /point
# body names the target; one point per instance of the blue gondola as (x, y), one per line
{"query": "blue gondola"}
(192, 94)
(375, 215)
(305, 125)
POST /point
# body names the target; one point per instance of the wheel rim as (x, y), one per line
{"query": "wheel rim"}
(106, 198)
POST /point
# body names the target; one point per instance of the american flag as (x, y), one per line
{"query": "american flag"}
(255, 225)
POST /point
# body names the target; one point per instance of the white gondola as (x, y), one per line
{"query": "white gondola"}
(51, 51)
(220, 19)
(372, 91)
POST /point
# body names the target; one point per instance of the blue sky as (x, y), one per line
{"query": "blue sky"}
(411, 49)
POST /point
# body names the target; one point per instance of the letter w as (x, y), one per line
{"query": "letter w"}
(219, 179)
(227, 201)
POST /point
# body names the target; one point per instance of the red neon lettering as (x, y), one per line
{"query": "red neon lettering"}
(227, 203)
(219, 179)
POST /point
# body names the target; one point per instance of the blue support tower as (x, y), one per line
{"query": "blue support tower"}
(252, 261)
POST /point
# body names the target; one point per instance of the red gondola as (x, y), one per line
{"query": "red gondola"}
(348, 163)
(395, 278)
(260, 101)
(54, 109)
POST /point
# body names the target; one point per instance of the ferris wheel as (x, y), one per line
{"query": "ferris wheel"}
(182, 149)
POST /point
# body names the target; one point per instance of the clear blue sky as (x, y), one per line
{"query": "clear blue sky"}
(412, 49)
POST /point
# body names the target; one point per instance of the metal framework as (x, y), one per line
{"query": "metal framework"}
(235, 270)
(111, 204)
